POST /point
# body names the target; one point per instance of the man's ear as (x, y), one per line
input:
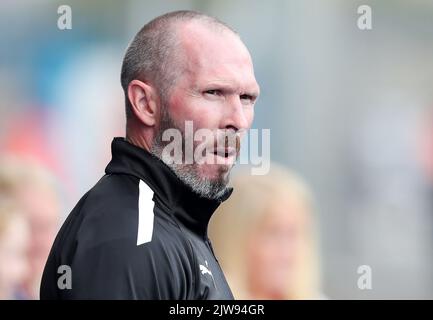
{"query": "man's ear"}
(144, 101)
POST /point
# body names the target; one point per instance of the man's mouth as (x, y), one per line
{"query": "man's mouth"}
(228, 149)
(225, 152)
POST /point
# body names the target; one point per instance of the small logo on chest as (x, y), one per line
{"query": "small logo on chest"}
(205, 270)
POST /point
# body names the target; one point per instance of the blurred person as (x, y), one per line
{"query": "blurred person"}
(425, 144)
(264, 237)
(141, 231)
(33, 189)
(14, 243)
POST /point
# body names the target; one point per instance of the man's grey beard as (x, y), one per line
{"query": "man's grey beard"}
(188, 173)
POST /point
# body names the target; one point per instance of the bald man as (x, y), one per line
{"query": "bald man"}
(141, 231)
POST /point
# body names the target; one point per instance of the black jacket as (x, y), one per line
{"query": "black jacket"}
(139, 233)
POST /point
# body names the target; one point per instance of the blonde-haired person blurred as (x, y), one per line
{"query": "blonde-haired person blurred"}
(264, 237)
(32, 188)
(14, 241)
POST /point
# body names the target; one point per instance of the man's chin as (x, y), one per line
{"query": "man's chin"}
(209, 181)
(215, 172)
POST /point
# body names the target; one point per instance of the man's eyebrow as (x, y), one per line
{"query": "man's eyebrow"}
(255, 92)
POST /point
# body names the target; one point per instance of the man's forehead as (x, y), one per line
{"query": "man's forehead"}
(216, 54)
(201, 41)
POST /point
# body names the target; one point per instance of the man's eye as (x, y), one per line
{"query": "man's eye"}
(247, 97)
(214, 92)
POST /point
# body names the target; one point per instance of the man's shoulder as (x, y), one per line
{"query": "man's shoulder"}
(142, 253)
(107, 210)
(119, 243)
(117, 210)
(112, 192)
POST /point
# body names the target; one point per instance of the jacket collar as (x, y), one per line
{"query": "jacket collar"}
(192, 210)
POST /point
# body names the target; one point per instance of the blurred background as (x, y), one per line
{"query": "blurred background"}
(350, 112)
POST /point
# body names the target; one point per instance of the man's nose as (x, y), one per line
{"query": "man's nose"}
(237, 117)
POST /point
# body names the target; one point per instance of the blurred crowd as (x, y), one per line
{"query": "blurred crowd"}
(265, 237)
(29, 220)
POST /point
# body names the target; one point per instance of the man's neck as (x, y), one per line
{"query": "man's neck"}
(139, 140)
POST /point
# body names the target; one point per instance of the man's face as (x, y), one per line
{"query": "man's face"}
(216, 91)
